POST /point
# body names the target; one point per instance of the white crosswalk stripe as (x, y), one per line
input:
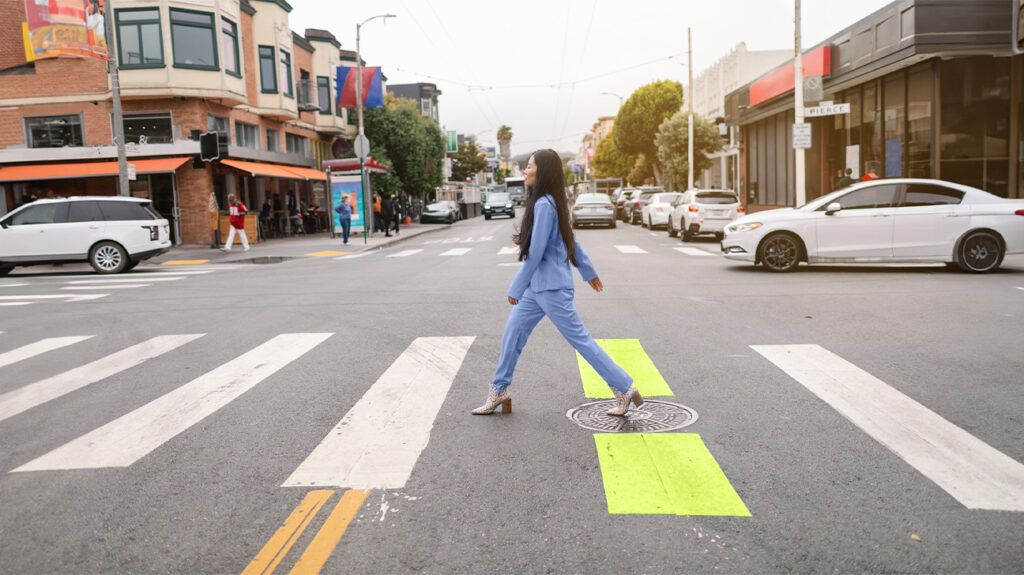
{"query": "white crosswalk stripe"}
(508, 251)
(403, 254)
(629, 249)
(39, 347)
(14, 285)
(457, 252)
(127, 439)
(154, 278)
(974, 473)
(354, 256)
(377, 443)
(693, 251)
(106, 287)
(24, 398)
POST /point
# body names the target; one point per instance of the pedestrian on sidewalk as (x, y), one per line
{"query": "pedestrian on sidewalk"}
(236, 211)
(543, 287)
(387, 213)
(396, 211)
(344, 211)
(846, 181)
(378, 220)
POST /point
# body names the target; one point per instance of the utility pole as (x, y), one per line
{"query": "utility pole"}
(798, 91)
(689, 99)
(115, 89)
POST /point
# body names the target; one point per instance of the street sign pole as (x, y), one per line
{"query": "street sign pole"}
(367, 231)
(689, 121)
(798, 90)
(115, 92)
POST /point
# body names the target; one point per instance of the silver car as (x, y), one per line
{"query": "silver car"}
(593, 210)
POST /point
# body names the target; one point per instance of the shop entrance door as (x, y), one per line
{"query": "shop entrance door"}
(165, 202)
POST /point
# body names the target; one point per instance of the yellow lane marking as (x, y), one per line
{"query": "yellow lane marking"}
(278, 546)
(184, 262)
(327, 253)
(326, 540)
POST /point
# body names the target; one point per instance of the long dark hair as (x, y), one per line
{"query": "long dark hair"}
(550, 180)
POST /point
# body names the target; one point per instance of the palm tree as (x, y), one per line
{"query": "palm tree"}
(504, 139)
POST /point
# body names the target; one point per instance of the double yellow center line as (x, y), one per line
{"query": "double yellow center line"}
(323, 543)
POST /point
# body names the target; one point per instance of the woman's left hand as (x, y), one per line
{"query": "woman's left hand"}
(513, 300)
(597, 285)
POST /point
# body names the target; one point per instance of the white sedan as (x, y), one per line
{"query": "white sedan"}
(655, 212)
(884, 221)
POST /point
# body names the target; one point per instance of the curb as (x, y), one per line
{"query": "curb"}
(400, 239)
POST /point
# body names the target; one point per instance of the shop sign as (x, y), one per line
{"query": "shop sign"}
(827, 109)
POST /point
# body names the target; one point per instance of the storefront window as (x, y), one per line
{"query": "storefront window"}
(895, 116)
(871, 130)
(148, 129)
(919, 122)
(852, 152)
(976, 122)
(54, 131)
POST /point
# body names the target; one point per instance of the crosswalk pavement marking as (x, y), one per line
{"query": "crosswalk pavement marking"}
(457, 252)
(15, 303)
(693, 251)
(511, 264)
(403, 254)
(974, 473)
(630, 355)
(277, 547)
(39, 347)
(106, 287)
(377, 443)
(664, 474)
(14, 285)
(1021, 288)
(354, 256)
(508, 251)
(631, 249)
(127, 439)
(29, 396)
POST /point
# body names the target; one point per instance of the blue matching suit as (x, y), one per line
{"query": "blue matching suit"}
(544, 287)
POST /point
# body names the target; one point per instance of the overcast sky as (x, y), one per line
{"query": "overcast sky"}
(495, 48)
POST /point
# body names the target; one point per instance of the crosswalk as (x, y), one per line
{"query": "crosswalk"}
(443, 249)
(67, 287)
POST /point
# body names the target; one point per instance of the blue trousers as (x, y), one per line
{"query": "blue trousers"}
(346, 225)
(558, 305)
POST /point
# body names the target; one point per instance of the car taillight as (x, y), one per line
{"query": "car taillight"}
(154, 232)
(694, 208)
(740, 210)
(1019, 213)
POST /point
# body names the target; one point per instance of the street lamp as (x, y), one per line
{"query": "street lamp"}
(614, 94)
(359, 114)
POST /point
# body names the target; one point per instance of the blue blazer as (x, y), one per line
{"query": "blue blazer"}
(546, 267)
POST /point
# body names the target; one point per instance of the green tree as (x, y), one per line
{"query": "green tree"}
(412, 145)
(672, 141)
(609, 162)
(641, 171)
(640, 117)
(468, 161)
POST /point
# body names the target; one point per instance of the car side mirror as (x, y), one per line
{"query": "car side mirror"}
(833, 208)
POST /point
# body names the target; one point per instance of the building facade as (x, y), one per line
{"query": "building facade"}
(934, 89)
(233, 67)
(730, 72)
(425, 95)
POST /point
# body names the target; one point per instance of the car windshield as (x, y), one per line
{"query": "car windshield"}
(666, 198)
(437, 207)
(717, 198)
(498, 198)
(593, 199)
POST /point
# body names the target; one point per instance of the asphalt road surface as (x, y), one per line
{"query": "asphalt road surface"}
(313, 416)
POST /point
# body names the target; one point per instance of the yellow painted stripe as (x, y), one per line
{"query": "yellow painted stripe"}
(629, 354)
(184, 262)
(327, 253)
(326, 540)
(278, 546)
(664, 474)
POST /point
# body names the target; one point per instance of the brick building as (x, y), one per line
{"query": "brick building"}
(232, 66)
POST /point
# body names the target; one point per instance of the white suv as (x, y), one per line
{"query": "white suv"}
(113, 234)
(703, 212)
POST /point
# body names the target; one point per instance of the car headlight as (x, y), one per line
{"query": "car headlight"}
(508, 205)
(747, 227)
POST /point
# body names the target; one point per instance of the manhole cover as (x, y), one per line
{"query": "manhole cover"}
(652, 417)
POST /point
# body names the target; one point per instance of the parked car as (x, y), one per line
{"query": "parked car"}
(499, 204)
(634, 206)
(655, 212)
(884, 221)
(113, 234)
(593, 209)
(440, 212)
(619, 198)
(703, 212)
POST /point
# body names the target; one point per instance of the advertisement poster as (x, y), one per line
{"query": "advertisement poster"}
(853, 160)
(349, 190)
(64, 28)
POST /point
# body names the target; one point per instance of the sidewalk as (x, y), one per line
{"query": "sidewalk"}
(315, 245)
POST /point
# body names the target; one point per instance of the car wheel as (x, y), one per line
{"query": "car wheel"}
(980, 252)
(451, 220)
(613, 224)
(108, 258)
(4, 270)
(671, 229)
(487, 216)
(779, 252)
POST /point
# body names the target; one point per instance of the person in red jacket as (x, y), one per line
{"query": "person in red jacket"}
(237, 211)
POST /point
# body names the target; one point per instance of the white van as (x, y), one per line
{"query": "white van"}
(113, 234)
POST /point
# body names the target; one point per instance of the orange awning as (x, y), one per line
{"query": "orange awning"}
(275, 170)
(69, 170)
